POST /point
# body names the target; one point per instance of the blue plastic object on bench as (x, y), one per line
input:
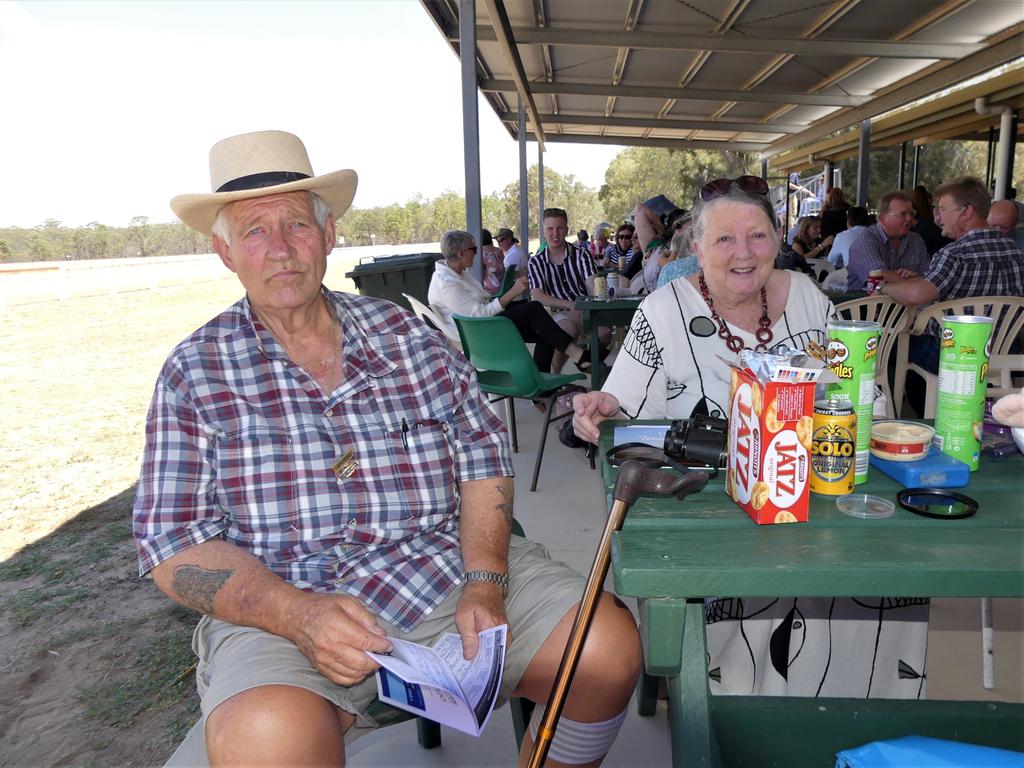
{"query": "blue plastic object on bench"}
(924, 752)
(936, 470)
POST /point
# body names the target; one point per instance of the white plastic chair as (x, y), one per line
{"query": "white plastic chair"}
(822, 268)
(1007, 311)
(430, 317)
(894, 318)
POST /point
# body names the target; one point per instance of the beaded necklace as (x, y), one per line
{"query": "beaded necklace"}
(735, 343)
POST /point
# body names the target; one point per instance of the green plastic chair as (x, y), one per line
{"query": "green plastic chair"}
(505, 368)
(506, 281)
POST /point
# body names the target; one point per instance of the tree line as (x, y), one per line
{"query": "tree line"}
(635, 173)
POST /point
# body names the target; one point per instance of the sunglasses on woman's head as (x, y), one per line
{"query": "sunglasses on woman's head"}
(753, 185)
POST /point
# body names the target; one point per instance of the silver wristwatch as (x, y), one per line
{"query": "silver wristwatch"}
(492, 577)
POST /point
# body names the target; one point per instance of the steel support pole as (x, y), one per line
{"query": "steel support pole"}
(829, 172)
(764, 169)
(989, 155)
(470, 122)
(901, 182)
(1004, 155)
(863, 162)
(540, 193)
(524, 188)
(917, 164)
(1014, 128)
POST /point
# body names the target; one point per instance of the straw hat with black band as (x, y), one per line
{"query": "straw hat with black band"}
(258, 165)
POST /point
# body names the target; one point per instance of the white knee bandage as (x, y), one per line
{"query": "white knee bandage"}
(578, 743)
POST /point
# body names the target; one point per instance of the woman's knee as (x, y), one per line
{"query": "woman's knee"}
(276, 724)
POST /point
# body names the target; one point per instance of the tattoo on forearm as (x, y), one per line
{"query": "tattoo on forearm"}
(506, 505)
(198, 586)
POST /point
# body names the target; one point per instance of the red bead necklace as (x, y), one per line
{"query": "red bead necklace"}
(735, 343)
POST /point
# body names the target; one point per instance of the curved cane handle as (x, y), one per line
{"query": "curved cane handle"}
(639, 478)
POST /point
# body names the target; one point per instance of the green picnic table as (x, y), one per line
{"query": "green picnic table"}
(672, 554)
(616, 312)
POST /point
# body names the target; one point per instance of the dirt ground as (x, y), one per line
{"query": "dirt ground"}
(95, 663)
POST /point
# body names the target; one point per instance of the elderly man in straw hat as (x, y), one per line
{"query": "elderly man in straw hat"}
(320, 473)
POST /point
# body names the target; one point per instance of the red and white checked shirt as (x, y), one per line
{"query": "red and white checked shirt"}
(240, 444)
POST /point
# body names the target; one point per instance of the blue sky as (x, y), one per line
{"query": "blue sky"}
(111, 107)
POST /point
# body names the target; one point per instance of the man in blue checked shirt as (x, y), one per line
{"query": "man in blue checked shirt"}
(320, 472)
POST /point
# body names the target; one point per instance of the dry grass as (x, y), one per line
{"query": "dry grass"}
(91, 657)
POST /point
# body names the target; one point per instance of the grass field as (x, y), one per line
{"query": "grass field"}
(94, 661)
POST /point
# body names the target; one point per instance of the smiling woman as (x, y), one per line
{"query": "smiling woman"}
(673, 365)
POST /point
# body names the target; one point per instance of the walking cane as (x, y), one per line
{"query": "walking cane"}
(636, 477)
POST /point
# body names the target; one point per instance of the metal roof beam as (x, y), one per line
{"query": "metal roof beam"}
(669, 123)
(1005, 50)
(689, 92)
(796, 46)
(640, 141)
(503, 30)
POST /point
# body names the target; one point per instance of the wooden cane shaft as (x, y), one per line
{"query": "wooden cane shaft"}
(577, 635)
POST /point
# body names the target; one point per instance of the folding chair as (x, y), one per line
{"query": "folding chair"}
(429, 316)
(894, 318)
(505, 368)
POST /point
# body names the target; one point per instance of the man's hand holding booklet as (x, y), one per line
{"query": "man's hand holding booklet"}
(439, 684)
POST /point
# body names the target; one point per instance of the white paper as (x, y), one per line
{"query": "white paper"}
(437, 683)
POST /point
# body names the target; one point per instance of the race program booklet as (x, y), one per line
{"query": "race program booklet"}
(437, 683)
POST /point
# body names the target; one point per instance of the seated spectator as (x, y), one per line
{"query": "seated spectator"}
(493, 261)
(888, 246)
(833, 213)
(787, 258)
(454, 291)
(655, 239)
(924, 223)
(981, 262)
(509, 245)
(808, 241)
(559, 273)
(856, 222)
(680, 260)
(582, 240)
(598, 244)
(623, 247)
(1004, 216)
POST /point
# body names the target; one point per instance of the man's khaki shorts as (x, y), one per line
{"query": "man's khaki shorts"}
(233, 659)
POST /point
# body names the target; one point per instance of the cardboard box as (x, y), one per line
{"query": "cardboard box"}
(770, 428)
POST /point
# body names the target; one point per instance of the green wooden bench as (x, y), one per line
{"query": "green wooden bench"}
(672, 554)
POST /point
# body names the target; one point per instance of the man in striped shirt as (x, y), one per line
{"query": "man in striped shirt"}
(559, 273)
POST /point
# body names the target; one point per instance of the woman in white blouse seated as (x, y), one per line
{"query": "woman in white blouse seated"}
(671, 367)
(454, 291)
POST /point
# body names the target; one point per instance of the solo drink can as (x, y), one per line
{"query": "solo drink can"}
(964, 350)
(833, 447)
(600, 287)
(852, 353)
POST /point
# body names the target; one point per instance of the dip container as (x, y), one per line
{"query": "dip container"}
(900, 440)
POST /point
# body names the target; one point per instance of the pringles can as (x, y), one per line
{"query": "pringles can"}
(852, 353)
(833, 447)
(600, 287)
(964, 350)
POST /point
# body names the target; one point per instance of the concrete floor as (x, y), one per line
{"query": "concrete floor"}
(567, 514)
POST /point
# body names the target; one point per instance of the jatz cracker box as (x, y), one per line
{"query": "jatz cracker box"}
(770, 428)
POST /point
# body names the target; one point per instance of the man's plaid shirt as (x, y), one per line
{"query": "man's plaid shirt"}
(242, 444)
(981, 263)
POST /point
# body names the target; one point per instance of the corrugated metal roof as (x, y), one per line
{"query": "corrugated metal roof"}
(773, 76)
